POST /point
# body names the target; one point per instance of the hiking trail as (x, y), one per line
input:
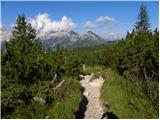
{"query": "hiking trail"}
(92, 93)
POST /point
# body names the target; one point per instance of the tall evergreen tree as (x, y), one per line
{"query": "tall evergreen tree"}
(142, 24)
(22, 35)
(21, 50)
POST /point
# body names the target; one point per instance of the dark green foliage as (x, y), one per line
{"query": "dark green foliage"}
(108, 57)
(11, 95)
(135, 57)
(19, 60)
(142, 23)
(138, 62)
(139, 55)
(27, 72)
(130, 98)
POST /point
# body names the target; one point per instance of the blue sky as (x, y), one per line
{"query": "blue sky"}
(124, 13)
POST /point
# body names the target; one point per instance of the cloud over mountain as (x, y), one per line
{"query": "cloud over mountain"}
(4, 34)
(111, 35)
(48, 28)
(89, 25)
(45, 26)
(105, 19)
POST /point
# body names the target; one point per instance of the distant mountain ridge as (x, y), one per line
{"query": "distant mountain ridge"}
(72, 39)
(69, 39)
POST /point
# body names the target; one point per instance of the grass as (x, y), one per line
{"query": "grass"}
(95, 69)
(64, 101)
(113, 92)
(123, 105)
(68, 99)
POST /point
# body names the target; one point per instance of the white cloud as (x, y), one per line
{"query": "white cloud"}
(4, 34)
(89, 25)
(112, 35)
(44, 25)
(105, 19)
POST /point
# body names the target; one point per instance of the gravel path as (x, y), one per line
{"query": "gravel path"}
(92, 93)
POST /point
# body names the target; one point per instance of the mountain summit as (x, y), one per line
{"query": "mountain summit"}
(71, 39)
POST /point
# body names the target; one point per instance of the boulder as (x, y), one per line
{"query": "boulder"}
(81, 77)
(41, 100)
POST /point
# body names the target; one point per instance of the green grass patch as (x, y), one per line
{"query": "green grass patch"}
(123, 105)
(68, 97)
(61, 103)
(93, 69)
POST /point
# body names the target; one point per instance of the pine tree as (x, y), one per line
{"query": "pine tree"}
(142, 24)
(23, 34)
(21, 51)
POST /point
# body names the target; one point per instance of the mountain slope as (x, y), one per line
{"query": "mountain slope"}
(65, 39)
(71, 39)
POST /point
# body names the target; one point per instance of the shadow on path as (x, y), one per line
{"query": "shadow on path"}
(82, 107)
(109, 115)
(112, 116)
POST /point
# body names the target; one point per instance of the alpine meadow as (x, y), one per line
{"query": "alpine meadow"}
(101, 64)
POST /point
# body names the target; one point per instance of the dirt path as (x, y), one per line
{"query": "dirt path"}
(92, 93)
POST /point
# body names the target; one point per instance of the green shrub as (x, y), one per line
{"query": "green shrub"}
(128, 98)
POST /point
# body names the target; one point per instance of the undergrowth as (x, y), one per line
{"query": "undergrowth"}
(123, 103)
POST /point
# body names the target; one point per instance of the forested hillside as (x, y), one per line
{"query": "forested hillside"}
(40, 84)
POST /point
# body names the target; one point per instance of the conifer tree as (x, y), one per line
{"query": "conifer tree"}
(142, 24)
(21, 50)
(22, 34)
